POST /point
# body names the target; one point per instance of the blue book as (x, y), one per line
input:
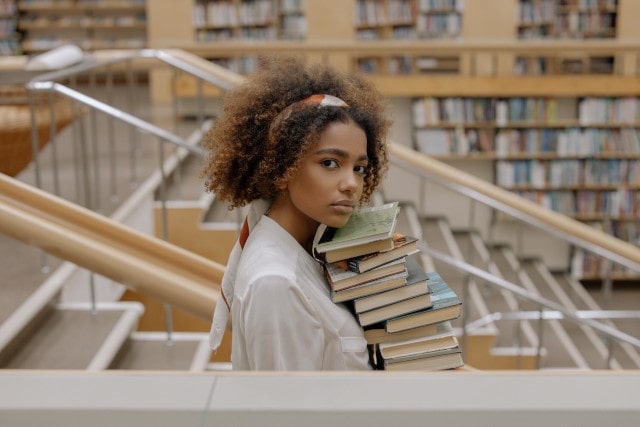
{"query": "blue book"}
(445, 305)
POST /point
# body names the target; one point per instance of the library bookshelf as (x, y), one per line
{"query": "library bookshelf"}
(525, 84)
(551, 56)
(567, 19)
(9, 38)
(90, 24)
(578, 155)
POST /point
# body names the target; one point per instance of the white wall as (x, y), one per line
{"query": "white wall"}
(453, 398)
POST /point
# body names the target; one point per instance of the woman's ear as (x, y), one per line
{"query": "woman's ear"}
(281, 184)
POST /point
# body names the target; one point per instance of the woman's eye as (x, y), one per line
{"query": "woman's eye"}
(362, 170)
(330, 163)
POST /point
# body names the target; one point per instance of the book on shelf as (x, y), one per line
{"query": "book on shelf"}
(396, 309)
(416, 284)
(371, 287)
(434, 361)
(443, 338)
(403, 245)
(369, 229)
(377, 333)
(445, 305)
(340, 278)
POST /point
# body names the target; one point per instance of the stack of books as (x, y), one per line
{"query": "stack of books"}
(405, 311)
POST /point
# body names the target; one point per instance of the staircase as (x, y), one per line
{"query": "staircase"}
(507, 343)
(48, 319)
(59, 335)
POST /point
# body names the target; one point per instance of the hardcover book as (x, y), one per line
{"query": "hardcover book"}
(444, 338)
(377, 334)
(369, 230)
(402, 246)
(417, 284)
(396, 309)
(434, 361)
(372, 287)
(340, 279)
(445, 305)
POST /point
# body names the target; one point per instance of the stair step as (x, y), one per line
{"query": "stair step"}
(621, 299)
(586, 341)
(511, 344)
(561, 349)
(512, 333)
(187, 351)
(72, 336)
(21, 264)
(516, 358)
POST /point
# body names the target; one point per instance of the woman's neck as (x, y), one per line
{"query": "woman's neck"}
(300, 227)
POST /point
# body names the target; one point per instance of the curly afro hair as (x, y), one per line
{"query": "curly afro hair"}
(249, 152)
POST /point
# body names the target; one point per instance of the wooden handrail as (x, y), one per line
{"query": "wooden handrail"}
(555, 221)
(141, 262)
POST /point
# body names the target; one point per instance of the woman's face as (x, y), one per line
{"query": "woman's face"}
(330, 180)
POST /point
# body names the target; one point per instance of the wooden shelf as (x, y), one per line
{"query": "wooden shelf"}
(89, 25)
(9, 37)
(483, 59)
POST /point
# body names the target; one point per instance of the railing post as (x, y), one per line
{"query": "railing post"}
(607, 281)
(465, 315)
(518, 341)
(609, 343)
(111, 139)
(200, 103)
(92, 293)
(84, 181)
(53, 144)
(540, 334)
(97, 197)
(133, 146)
(168, 313)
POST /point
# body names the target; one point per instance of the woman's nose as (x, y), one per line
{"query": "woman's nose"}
(350, 181)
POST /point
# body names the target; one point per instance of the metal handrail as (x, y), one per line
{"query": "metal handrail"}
(561, 226)
(582, 237)
(123, 116)
(166, 56)
(49, 83)
(579, 317)
(549, 315)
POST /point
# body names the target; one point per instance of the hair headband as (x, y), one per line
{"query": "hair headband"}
(321, 100)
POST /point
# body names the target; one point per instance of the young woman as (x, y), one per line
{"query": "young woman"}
(303, 146)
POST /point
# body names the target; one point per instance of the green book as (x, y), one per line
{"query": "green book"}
(445, 305)
(369, 230)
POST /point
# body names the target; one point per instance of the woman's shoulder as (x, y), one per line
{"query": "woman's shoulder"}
(265, 266)
(268, 251)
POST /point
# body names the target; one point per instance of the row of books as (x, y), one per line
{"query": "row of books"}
(545, 174)
(587, 110)
(578, 142)
(616, 204)
(407, 64)
(404, 311)
(586, 265)
(229, 13)
(376, 12)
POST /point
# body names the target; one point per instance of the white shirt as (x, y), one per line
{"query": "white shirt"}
(283, 316)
